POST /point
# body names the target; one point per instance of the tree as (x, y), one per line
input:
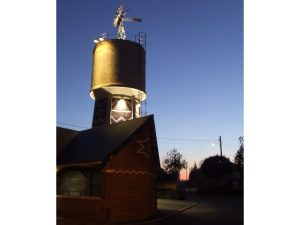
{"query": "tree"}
(216, 167)
(192, 175)
(239, 157)
(195, 175)
(173, 163)
(239, 160)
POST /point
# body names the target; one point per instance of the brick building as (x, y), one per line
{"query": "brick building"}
(108, 173)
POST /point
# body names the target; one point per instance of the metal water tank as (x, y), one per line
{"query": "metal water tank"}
(119, 68)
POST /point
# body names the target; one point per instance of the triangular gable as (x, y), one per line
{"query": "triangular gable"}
(98, 144)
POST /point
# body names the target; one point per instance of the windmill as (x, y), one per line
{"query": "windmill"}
(119, 20)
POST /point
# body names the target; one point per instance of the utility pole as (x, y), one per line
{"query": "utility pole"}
(220, 140)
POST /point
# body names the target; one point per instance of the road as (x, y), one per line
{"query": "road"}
(211, 210)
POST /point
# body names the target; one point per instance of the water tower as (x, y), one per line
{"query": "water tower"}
(118, 75)
(111, 169)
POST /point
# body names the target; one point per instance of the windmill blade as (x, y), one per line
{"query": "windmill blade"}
(117, 21)
(120, 18)
(132, 19)
(121, 11)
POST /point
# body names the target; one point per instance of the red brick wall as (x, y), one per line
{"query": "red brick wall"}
(128, 190)
(88, 209)
(130, 182)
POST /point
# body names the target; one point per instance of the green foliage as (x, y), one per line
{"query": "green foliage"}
(195, 175)
(212, 168)
(216, 167)
(173, 163)
(163, 176)
(239, 160)
(239, 157)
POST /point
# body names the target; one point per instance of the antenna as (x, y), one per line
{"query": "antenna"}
(119, 20)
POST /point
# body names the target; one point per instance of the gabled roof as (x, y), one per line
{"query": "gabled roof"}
(99, 143)
(63, 137)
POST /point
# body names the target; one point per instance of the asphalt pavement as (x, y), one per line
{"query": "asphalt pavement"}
(195, 210)
(210, 210)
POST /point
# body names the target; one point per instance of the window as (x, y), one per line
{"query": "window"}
(121, 110)
(79, 182)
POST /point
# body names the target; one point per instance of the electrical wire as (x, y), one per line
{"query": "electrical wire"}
(161, 138)
(68, 124)
(183, 139)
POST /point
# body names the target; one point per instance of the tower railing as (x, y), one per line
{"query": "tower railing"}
(144, 108)
(140, 38)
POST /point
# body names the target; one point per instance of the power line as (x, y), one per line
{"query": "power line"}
(183, 139)
(234, 145)
(68, 124)
(161, 138)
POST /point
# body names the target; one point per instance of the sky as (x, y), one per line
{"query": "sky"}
(194, 69)
(271, 92)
